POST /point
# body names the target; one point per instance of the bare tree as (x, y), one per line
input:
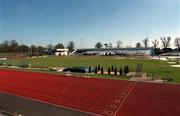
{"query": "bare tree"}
(110, 45)
(119, 44)
(71, 46)
(177, 43)
(5, 43)
(98, 45)
(5, 46)
(33, 50)
(41, 49)
(138, 45)
(13, 45)
(128, 46)
(165, 41)
(59, 46)
(146, 42)
(155, 43)
(49, 47)
(23, 48)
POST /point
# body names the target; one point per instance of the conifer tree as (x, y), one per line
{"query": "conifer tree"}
(115, 71)
(102, 72)
(109, 71)
(112, 68)
(125, 70)
(120, 71)
(96, 70)
(89, 69)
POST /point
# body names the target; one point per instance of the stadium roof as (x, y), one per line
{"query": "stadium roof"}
(104, 49)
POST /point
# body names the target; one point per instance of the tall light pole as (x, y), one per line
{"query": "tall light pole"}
(51, 47)
(21, 48)
(81, 42)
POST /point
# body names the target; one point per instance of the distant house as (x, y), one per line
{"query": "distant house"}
(61, 52)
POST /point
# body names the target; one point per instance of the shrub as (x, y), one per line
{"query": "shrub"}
(1, 63)
(152, 78)
(50, 69)
(167, 78)
(23, 64)
(9, 63)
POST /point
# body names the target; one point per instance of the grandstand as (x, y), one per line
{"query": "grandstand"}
(149, 51)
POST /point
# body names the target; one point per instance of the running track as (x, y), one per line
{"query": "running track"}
(94, 95)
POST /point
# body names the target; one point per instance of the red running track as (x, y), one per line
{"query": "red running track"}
(99, 96)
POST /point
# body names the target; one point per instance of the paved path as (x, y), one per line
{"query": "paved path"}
(27, 107)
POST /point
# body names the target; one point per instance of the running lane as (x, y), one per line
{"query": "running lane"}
(98, 96)
(152, 99)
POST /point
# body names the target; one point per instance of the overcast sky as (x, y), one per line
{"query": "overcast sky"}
(53, 21)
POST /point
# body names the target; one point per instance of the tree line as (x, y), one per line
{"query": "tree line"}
(165, 41)
(14, 46)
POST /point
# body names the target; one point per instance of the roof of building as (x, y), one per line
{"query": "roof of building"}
(62, 50)
(104, 49)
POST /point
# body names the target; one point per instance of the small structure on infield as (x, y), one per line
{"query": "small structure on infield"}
(80, 69)
(139, 70)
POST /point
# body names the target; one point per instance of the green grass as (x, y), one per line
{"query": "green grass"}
(160, 68)
(5, 54)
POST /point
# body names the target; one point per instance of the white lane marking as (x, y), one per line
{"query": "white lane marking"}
(125, 98)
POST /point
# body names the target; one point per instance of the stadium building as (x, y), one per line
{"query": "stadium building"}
(149, 51)
(61, 52)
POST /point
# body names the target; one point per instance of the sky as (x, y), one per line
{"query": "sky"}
(41, 22)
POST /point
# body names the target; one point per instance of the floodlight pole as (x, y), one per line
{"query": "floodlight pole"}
(37, 51)
(81, 42)
(21, 48)
(52, 47)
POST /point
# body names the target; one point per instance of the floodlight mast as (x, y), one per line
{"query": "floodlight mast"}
(21, 48)
(52, 47)
(81, 42)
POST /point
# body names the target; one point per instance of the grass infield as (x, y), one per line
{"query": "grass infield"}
(159, 68)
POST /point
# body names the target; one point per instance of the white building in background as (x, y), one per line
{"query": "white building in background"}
(119, 51)
(61, 52)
